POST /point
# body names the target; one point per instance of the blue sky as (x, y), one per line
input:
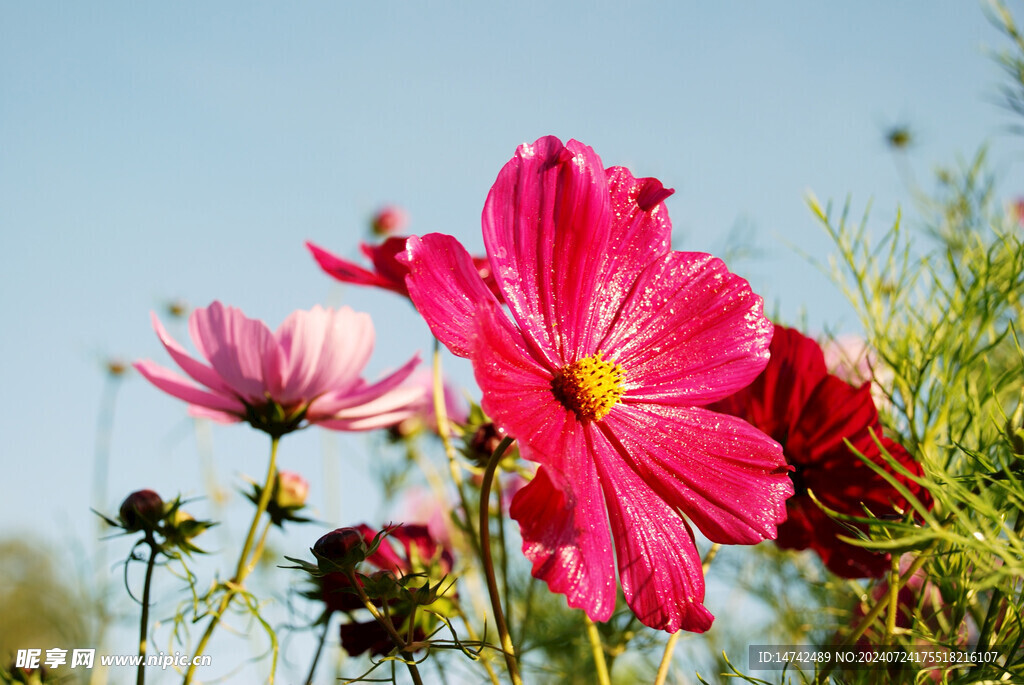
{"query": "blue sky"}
(186, 150)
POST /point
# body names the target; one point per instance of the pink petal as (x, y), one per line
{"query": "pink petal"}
(726, 476)
(323, 351)
(366, 423)
(350, 272)
(197, 412)
(241, 350)
(659, 567)
(405, 399)
(177, 386)
(545, 218)
(690, 333)
(446, 288)
(330, 404)
(517, 388)
(640, 235)
(199, 372)
(565, 533)
(385, 261)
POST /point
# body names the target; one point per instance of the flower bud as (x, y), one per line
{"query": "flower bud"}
(342, 548)
(141, 510)
(484, 441)
(389, 220)
(291, 491)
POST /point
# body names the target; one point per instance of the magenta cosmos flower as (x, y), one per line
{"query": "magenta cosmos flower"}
(306, 372)
(388, 271)
(613, 344)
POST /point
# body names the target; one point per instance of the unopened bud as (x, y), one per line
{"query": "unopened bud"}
(291, 491)
(389, 220)
(485, 441)
(342, 548)
(142, 510)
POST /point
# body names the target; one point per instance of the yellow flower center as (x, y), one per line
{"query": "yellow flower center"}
(589, 387)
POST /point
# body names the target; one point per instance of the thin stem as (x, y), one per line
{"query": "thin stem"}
(140, 679)
(473, 636)
(388, 626)
(488, 562)
(244, 563)
(597, 649)
(666, 658)
(894, 595)
(319, 648)
(504, 560)
(670, 646)
(876, 611)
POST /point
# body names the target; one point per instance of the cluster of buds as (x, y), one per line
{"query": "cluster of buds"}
(356, 567)
(286, 500)
(144, 511)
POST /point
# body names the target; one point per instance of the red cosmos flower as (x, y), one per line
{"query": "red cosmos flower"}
(418, 552)
(388, 273)
(811, 412)
(600, 368)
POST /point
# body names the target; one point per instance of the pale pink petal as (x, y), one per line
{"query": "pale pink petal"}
(404, 398)
(323, 350)
(659, 566)
(241, 350)
(726, 476)
(178, 386)
(640, 235)
(199, 372)
(565, 533)
(197, 412)
(545, 218)
(446, 288)
(349, 272)
(361, 393)
(690, 333)
(366, 423)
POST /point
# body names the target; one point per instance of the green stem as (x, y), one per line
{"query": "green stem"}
(670, 646)
(244, 563)
(388, 626)
(597, 649)
(319, 648)
(666, 658)
(894, 596)
(140, 678)
(488, 562)
(473, 636)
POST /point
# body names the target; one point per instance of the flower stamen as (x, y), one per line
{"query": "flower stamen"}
(589, 387)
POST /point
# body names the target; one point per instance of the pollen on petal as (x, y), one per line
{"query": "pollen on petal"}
(589, 387)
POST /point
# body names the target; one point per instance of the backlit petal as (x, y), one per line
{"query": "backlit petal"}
(350, 272)
(545, 219)
(199, 372)
(180, 387)
(241, 350)
(690, 332)
(446, 288)
(659, 567)
(565, 532)
(726, 476)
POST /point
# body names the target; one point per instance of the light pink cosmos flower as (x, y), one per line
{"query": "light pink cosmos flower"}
(308, 371)
(613, 345)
